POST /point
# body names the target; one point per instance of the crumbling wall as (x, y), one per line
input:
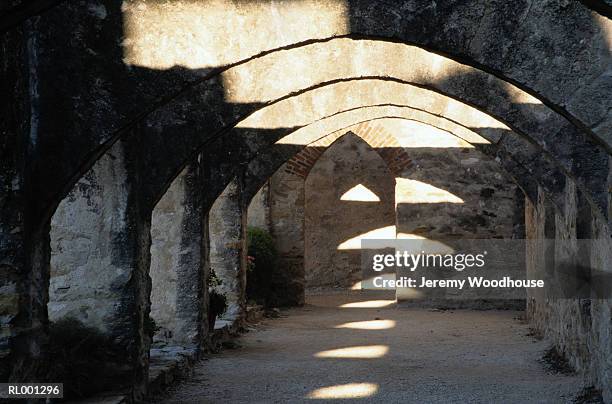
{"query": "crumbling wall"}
(166, 226)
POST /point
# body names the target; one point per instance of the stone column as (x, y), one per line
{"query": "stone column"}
(100, 242)
(259, 208)
(23, 241)
(287, 229)
(227, 229)
(176, 261)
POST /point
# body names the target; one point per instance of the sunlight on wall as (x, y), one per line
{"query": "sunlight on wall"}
(367, 304)
(344, 391)
(384, 237)
(212, 33)
(319, 103)
(424, 244)
(519, 96)
(369, 325)
(412, 134)
(382, 233)
(280, 73)
(368, 283)
(606, 28)
(355, 352)
(349, 120)
(413, 191)
(409, 293)
(360, 193)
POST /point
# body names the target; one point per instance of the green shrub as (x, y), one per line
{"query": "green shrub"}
(150, 326)
(217, 300)
(262, 264)
(213, 280)
(218, 303)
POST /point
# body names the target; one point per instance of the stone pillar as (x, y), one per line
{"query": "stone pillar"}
(23, 241)
(287, 229)
(259, 208)
(227, 232)
(100, 241)
(540, 252)
(176, 261)
(90, 263)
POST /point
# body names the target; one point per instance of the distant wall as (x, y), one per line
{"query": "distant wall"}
(332, 226)
(442, 193)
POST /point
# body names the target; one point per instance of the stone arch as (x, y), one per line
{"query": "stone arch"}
(290, 181)
(210, 89)
(393, 155)
(502, 141)
(50, 179)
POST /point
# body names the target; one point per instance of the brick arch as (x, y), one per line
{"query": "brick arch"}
(375, 135)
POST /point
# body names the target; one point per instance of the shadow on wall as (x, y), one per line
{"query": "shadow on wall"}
(446, 193)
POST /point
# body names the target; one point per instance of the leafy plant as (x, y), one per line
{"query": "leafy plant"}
(218, 303)
(262, 260)
(217, 300)
(213, 280)
(150, 326)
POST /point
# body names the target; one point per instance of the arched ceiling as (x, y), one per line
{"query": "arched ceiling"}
(524, 171)
(501, 77)
(299, 100)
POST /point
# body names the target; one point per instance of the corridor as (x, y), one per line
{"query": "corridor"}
(340, 347)
(167, 165)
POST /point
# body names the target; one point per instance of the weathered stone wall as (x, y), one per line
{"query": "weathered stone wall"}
(447, 190)
(22, 303)
(332, 225)
(100, 262)
(166, 226)
(166, 240)
(455, 192)
(579, 328)
(287, 229)
(227, 232)
(131, 77)
(258, 214)
(88, 273)
(178, 261)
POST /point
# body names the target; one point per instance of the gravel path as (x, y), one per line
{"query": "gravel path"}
(384, 354)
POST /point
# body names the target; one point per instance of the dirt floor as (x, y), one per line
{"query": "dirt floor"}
(325, 351)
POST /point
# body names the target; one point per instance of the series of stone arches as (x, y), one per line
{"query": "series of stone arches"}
(537, 95)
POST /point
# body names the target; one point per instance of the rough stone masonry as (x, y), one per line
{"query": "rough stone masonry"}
(106, 104)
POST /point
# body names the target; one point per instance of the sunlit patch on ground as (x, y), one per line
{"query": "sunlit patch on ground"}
(368, 304)
(355, 352)
(343, 391)
(369, 325)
